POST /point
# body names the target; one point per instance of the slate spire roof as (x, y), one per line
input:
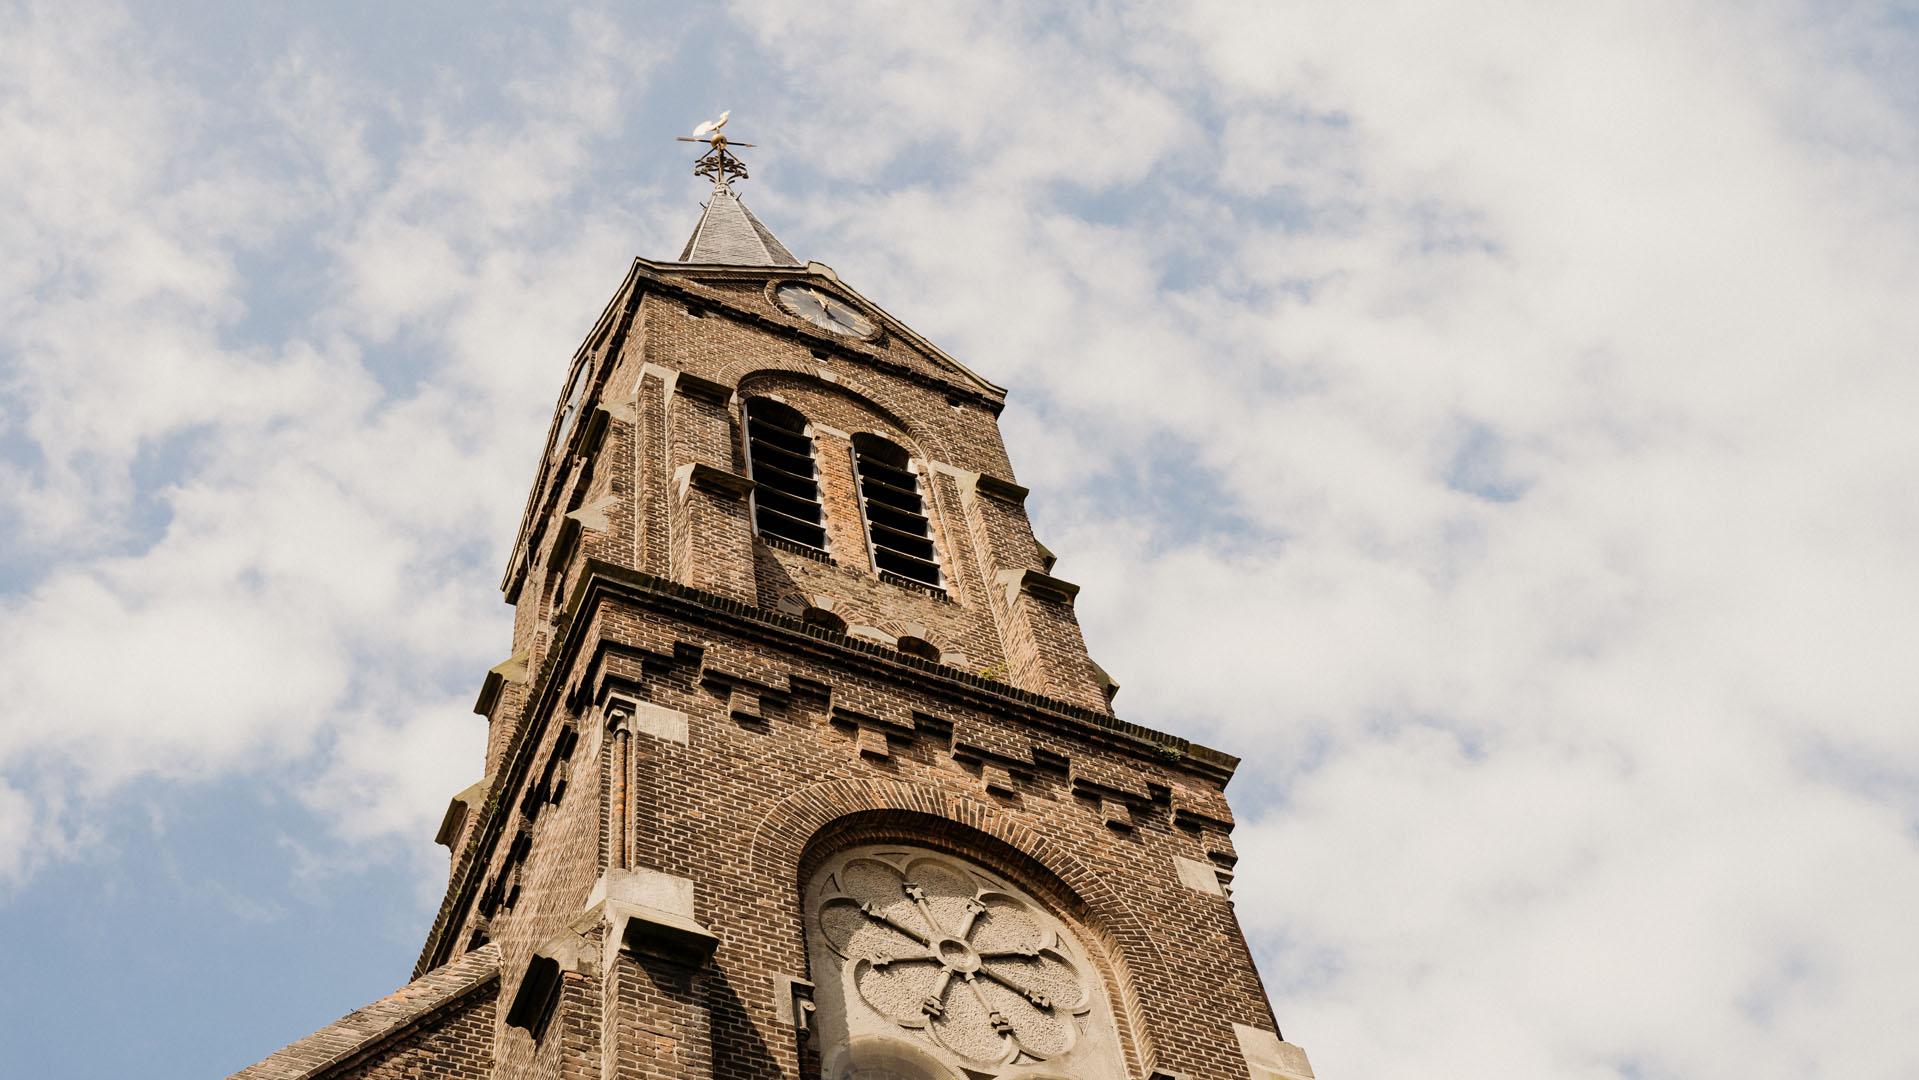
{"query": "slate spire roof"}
(729, 233)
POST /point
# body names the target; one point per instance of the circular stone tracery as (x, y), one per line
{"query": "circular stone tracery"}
(934, 947)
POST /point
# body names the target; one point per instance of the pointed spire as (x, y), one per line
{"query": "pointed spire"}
(729, 233)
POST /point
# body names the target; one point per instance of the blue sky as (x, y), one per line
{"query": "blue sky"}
(1494, 423)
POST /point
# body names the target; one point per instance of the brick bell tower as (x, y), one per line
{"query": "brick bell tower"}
(799, 767)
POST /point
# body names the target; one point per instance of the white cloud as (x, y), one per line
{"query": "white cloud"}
(16, 834)
(1493, 420)
(312, 575)
(1564, 782)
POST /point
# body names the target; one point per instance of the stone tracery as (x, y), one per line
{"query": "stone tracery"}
(940, 950)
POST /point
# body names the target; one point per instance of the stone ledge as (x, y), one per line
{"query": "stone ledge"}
(593, 516)
(992, 486)
(644, 717)
(510, 670)
(1037, 583)
(1268, 1057)
(723, 482)
(462, 806)
(704, 389)
(650, 913)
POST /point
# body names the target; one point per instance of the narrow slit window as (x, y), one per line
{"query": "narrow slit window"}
(786, 491)
(570, 405)
(895, 513)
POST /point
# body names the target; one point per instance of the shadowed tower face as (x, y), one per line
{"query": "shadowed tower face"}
(797, 765)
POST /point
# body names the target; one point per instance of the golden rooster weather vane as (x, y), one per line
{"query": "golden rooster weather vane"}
(718, 163)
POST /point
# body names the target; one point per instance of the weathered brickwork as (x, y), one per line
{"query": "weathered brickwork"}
(692, 719)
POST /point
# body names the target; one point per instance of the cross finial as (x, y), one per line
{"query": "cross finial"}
(718, 163)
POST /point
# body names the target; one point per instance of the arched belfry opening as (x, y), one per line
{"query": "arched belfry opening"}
(781, 461)
(894, 505)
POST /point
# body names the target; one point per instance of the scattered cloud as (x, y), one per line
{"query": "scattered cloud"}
(1490, 420)
(265, 401)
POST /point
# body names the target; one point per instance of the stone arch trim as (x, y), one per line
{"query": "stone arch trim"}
(927, 442)
(812, 822)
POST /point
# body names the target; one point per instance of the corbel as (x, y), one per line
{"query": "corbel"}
(1116, 806)
(746, 699)
(1201, 809)
(871, 742)
(711, 478)
(998, 778)
(871, 734)
(461, 807)
(510, 670)
(649, 914)
(1000, 771)
(1042, 585)
(593, 515)
(993, 487)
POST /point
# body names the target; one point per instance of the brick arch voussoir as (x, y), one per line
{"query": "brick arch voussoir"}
(928, 443)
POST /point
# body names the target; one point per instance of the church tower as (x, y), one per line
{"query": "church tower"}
(798, 766)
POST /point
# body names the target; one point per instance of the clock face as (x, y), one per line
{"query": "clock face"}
(823, 310)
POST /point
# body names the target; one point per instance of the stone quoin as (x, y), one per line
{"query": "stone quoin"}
(797, 765)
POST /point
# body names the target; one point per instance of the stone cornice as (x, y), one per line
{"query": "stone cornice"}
(600, 581)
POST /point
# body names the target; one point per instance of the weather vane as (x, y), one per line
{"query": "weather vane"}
(718, 163)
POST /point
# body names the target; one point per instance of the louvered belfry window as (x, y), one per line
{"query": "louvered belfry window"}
(895, 513)
(786, 486)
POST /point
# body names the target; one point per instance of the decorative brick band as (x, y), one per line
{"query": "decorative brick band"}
(598, 579)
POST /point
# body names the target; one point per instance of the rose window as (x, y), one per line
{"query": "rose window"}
(941, 950)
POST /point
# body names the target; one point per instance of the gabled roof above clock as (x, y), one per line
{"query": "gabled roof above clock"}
(728, 234)
(746, 291)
